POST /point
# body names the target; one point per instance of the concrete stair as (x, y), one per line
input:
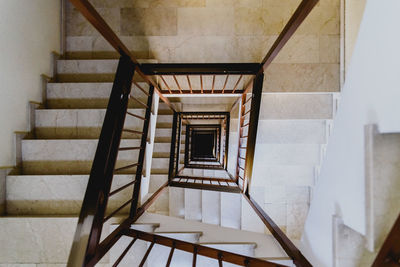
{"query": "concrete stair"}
(45, 193)
(228, 239)
(211, 207)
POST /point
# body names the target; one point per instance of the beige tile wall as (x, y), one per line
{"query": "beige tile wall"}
(223, 31)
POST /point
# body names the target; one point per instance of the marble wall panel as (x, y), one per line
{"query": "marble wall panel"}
(206, 21)
(169, 3)
(234, 3)
(77, 25)
(323, 19)
(149, 21)
(300, 49)
(310, 77)
(329, 48)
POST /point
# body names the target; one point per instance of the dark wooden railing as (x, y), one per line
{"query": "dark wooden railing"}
(389, 254)
(87, 249)
(196, 249)
(94, 207)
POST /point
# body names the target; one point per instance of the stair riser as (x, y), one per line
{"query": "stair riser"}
(91, 66)
(69, 156)
(291, 132)
(58, 195)
(289, 154)
(296, 106)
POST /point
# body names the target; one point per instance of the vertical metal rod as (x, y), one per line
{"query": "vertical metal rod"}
(179, 143)
(124, 253)
(190, 85)
(172, 151)
(227, 129)
(177, 84)
(146, 255)
(226, 81)
(237, 83)
(213, 83)
(220, 259)
(139, 168)
(166, 84)
(201, 83)
(252, 130)
(171, 253)
(194, 256)
(241, 120)
(90, 223)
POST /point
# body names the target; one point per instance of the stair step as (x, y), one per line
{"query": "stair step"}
(177, 202)
(86, 94)
(192, 237)
(80, 123)
(193, 204)
(211, 209)
(231, 210)
(295, 175)
(56, 194)
(160, 163)
(288, 154)
(156, 181)
(162, 148)
(39, 238)
(163, 132)
(291, 132)
(69, 156)
(246, 249)
(213, 234)
(144, 227)
(296, 106)
(91, 65)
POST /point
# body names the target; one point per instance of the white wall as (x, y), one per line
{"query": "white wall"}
(29, 32)
(371, 94)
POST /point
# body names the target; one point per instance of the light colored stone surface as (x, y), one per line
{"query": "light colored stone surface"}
(296, 106)
(91, 65)
(249, 219)
(205, 21)
(231, 210)
(193, 204)
(75, 150)
(149, 21)
(290, 154)
(36, 240)
(56, 194)
(96, 90)
(267, 174)
(386, 184)
(82, 118)
(291, 132)
(266, 245)
(223, 31)
(156, 181)
(211, 208)
(304, 77)
(177, 202)
(329, 46)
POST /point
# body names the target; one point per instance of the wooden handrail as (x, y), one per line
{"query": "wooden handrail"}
(141, 159)
(112, 238)
(252, 131)
(200, 250)
(389, 254)
(293, 252)
(90, 223)
(172, 171)
(90, 13)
